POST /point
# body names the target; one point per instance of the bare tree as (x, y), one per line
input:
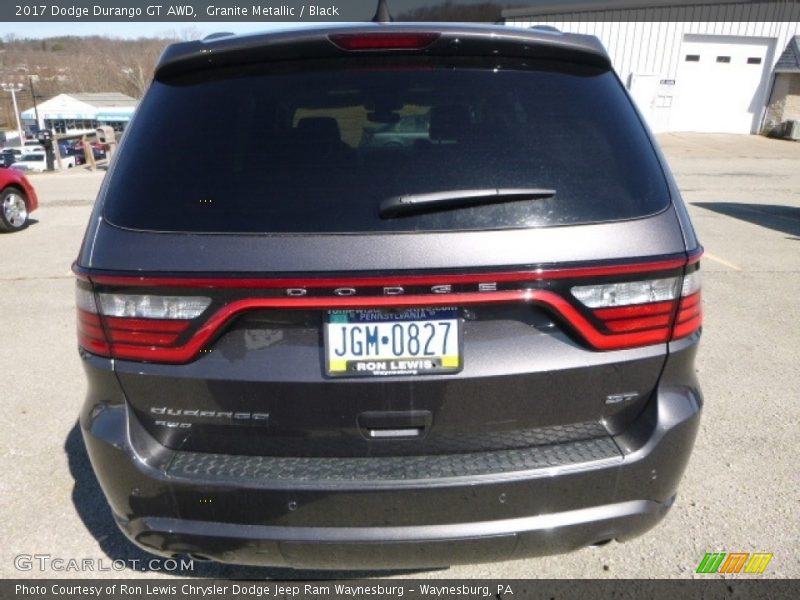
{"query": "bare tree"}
(72, 64)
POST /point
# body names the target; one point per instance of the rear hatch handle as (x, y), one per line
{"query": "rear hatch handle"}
(377, 425)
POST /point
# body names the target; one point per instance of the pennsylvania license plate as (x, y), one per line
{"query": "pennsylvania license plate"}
(377, 342)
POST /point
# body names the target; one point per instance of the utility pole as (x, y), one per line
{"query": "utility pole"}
(35, 108)
(14, 88)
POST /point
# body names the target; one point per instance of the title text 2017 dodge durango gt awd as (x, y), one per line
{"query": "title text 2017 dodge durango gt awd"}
(317, 351)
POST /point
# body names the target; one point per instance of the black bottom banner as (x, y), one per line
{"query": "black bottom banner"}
(419, 589)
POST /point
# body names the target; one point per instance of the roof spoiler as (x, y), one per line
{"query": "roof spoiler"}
(460, 40)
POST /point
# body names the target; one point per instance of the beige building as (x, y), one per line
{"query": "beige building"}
(784, 101)
(694, 65)
(77, 113)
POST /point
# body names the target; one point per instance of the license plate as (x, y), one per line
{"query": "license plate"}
(376, 342)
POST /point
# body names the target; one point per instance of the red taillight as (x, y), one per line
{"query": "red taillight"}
(655, 317)
(690, 317)
(637, 324)
(647, 311)
(632, 313)
(636, 311)
(128, 326)
(383, 41)
(91, 335)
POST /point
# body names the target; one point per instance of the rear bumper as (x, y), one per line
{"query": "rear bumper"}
(395, 547)
(549, 500)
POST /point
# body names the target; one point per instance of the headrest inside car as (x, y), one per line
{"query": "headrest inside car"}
(319, 129)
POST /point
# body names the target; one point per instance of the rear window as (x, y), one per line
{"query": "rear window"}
(316, 149)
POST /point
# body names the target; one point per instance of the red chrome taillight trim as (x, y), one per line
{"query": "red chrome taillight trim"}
(215, 323)
(188, 351)
(321, 282)
(626, 326)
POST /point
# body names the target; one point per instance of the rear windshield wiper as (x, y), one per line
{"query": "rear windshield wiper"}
(399, 206)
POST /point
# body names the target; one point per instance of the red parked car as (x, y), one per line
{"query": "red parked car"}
(17, 200)
(76, 150)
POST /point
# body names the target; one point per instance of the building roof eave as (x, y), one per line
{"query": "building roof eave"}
(552, 7)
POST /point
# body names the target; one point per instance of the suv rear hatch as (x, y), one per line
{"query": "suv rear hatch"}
(534, 304)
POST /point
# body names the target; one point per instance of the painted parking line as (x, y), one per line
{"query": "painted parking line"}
(721, 261)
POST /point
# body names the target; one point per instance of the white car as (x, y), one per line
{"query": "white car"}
(32, 147)
(19, 150)
(37, 162)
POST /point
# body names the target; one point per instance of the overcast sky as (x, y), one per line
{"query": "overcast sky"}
(134, 30)
(144, 29)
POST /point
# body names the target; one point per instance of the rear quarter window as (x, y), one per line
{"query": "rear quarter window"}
(315, 148)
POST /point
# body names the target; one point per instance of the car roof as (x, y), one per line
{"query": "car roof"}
(461, 39)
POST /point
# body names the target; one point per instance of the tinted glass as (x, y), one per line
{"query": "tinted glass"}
(316, 150)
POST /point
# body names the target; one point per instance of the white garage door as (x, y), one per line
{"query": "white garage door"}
(721, 83)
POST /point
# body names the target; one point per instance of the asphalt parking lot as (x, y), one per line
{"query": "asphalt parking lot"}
(741, 492)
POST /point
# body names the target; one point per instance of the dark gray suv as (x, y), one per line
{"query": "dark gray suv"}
(309, 351)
